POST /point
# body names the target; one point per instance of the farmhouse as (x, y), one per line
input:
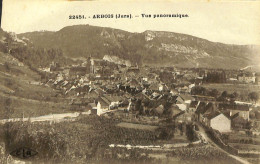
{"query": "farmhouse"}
(218, 121)
(246, 77)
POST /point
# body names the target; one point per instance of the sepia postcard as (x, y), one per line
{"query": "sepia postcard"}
(130, 82)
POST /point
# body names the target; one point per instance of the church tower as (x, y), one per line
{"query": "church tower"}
(92, 66)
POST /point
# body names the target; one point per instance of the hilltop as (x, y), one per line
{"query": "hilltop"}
(148, 48)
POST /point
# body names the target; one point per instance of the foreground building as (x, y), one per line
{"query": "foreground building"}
(218, 121)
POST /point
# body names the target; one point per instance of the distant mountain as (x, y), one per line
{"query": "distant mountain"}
(29, 54)
(150, 47)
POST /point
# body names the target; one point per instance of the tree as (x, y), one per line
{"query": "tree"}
(214, 93)
(8, 108)
(254, 96)
(7, 67)
(234, 95)
(224, 94)
(198, 90)
(138, 105)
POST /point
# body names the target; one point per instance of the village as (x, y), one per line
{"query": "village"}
(123, 83)
(181, 95)
(150, 109)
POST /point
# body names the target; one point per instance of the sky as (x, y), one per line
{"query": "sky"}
(236, 22)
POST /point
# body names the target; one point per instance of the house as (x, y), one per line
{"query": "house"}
(178, 99)
(182, 107)
(133, 69)
(201, 109)
(193, 106)
(174, 111)
(154, 87)
(174, 92)
(162, 87)
(156, 95)
(110, 88)
(179, 114)
(218, 121)
(113, 100)
(190, 87)
(142, 96)
(242, 109)
(94, 109)
(91, 106)
(103, 104)
(184, 89)
(238, 122)
(204, 98)
(79, 105)
(95, 93)
(131, 106)
(158, 110)
(184, 99)
(187, 98)
(124, 103)
(134, 84)
(145, 79)
(246, 77)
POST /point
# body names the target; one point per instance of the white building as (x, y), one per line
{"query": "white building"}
(246, 78)
(219, 121)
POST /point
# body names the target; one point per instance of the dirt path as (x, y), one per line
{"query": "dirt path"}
(208, 140)
(50, 117)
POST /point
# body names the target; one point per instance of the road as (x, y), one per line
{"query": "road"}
(208, 140)
(50, 117)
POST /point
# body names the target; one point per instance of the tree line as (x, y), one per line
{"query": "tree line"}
(224, 96)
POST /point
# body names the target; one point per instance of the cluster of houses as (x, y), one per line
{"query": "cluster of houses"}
(223, 117)
(100, 86)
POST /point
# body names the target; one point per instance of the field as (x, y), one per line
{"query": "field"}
(247, 147)
(86, 139)
(129, 117)
(241, 89)
(243, 138)
(137, 126)
(202, 154)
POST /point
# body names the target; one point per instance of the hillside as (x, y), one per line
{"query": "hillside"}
(149, 47)
(21, 90)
